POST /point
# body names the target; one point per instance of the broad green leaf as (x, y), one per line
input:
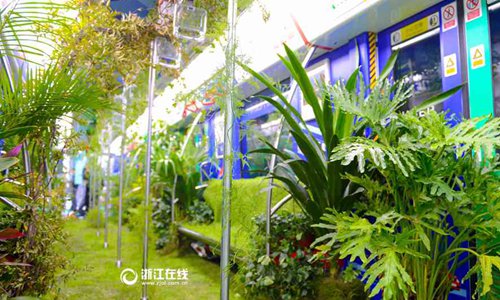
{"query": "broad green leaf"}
(437, 99)
(389, 66)
(353, 79)
(267, 281)
(487, 262)
(7, 162)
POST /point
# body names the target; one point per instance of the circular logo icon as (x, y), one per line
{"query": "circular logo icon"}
(124, 276)
(434, 21)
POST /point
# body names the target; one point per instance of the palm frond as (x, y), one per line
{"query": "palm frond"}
(45, 96)
(25, 27)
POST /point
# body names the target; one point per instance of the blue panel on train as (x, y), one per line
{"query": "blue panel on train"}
(138, 7)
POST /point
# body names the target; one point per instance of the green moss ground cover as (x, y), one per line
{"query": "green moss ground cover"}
(248, 201)
(97, 277)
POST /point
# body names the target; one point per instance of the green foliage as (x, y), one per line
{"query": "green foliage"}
(91, 218)
(287, 273)
(200, 213)
(45, 96)
(175, 165)
(161, 222)
(335, 287)
(315, 182)
(38, 250)
(419, 174)
(249, 198)
(20, 26)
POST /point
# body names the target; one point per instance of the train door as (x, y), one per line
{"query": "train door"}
(429, 55)
(494, 19)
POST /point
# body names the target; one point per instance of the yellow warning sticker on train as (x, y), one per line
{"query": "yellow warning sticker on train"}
(415, 29)
(450, 65)
(478, 59)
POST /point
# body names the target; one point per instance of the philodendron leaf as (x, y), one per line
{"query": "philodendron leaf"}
(487, 262)
(7, 162)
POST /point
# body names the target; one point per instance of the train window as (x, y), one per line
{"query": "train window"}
(264, 127)
(419, 64)
(495, 50)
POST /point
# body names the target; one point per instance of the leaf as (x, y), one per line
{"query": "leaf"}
(389, 66)
(437, 99)
(392, 276)
(351, 82)
(7, 162)
(267, 281)
(423, 237)
(10, 234)
(15, 264)
(487, 262)
(264, 260)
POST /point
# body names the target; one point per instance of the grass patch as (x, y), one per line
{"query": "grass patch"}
(97, 276)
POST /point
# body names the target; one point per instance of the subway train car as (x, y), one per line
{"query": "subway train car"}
(441, 44)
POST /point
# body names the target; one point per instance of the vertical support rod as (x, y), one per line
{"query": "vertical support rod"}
(173, 200)
(272, 162)
(99, 190)
(228, 153)
(151, 93)
(92, 183)
(108, 187)
(122, 170)
(27, 166)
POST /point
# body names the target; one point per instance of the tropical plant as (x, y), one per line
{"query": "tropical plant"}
(200, 213)
(431, 189)
(23, 22)
(34, 105)
(315, 182)
(175, 163)
(36, 102)
(287, 272)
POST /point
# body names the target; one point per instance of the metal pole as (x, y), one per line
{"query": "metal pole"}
(122, 167)
(108, 188)
(92, 183)
(228, 151)
(272, 163)
(151, 94)
(172, 201)
(98, 189)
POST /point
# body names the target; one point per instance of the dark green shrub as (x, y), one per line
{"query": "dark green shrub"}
(287, 272)
(200, 213)
(38, 250)
(166, 234)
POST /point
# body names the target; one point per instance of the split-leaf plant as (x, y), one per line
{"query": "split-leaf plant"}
(432, 196)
